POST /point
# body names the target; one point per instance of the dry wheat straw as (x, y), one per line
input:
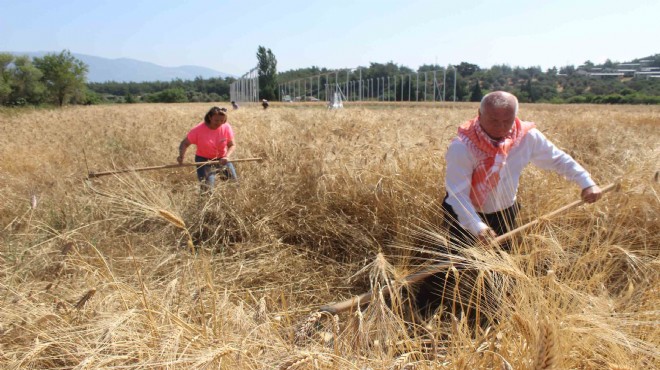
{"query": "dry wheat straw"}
(313, 206)
(619, 367)
(335, 326)
(298, 360)
(295, 361)
(506, 365)
(213, 356)
(86, 297)
(402, 361)
(335, 334)
(523, 326)
(260, 315)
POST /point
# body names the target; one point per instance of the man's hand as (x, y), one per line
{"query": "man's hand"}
(224, 161)
(486, 237)
(180, 159)
(591, 194)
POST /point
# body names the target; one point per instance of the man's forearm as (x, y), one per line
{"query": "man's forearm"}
(466, 215)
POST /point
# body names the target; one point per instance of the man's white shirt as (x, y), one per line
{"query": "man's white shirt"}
(534, 148)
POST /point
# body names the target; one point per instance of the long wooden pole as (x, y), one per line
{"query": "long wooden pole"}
(138, 169)
(365, 298)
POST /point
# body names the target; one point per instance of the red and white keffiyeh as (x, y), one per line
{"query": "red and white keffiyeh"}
(491, 155)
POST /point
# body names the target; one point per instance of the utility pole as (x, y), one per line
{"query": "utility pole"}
(444, 83)
(360, 84)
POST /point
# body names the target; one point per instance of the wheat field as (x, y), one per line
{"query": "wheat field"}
(140, 271)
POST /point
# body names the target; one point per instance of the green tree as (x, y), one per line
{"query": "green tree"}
(568, 70)
(5, 76)
(467, 69)
(91, 98)
(26, 82)
(462, 88)
(476, 94)
(130, 98)
(173, 95)
(267, 66)
(529, 90)
(64, 76)
(588, 64)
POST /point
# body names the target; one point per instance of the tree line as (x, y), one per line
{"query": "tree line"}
(529, 84)
(175, 91)
(60, 79)
(54, 78)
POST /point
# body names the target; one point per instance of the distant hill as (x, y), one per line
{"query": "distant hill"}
(132, 70)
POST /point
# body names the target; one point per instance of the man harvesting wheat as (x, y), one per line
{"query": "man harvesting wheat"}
(484, 163)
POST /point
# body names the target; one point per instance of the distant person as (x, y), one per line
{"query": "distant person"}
(483, 167)
(264, 103)
(234, 105)
(214, 139)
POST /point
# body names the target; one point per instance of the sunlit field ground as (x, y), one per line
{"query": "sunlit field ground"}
(100, 273)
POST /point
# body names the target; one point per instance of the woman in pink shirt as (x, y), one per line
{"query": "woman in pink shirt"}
(214, 139)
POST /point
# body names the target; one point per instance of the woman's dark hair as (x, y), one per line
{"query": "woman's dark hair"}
(213, 111)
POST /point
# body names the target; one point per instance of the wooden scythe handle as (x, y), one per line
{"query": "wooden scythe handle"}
(138, 169)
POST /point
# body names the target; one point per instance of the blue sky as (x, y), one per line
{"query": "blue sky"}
(224, 34)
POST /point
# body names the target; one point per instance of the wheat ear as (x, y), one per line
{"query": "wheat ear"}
(545, 358)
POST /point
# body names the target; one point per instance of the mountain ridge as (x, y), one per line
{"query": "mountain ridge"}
(133, 70)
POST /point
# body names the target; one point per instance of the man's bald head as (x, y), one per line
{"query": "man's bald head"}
(497, 113)
(499, 100)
